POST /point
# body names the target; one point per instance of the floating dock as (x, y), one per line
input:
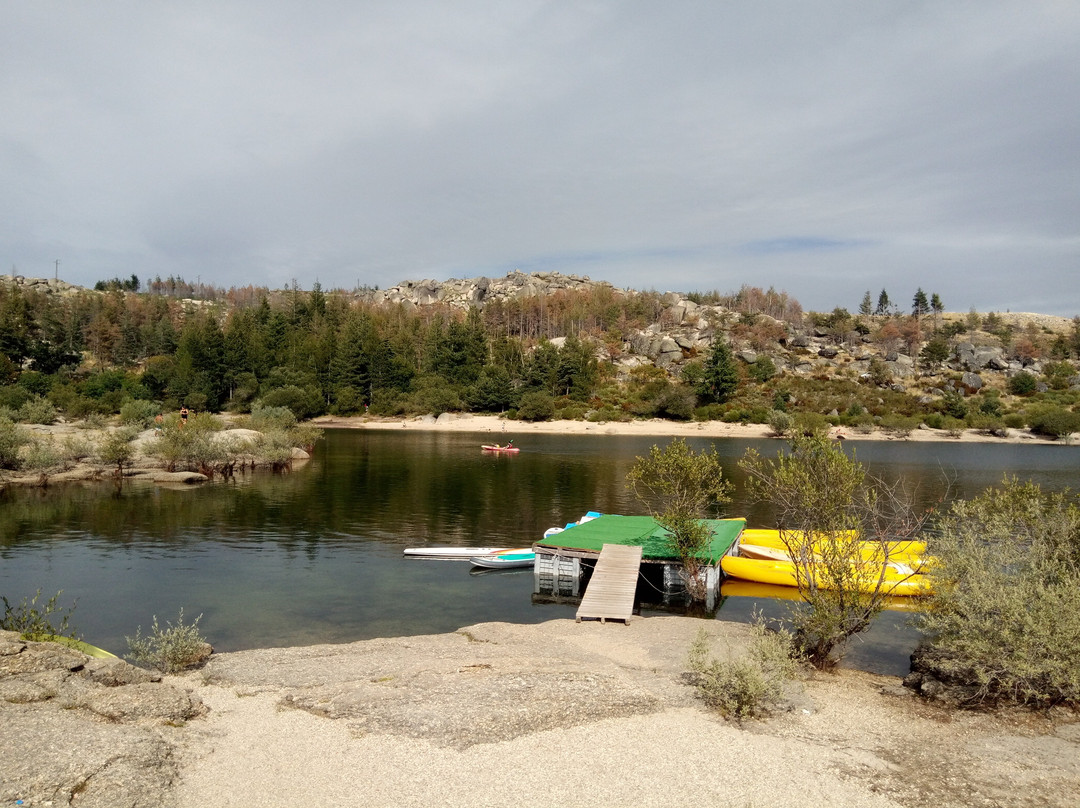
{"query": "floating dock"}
(610, 594)
(559, 557)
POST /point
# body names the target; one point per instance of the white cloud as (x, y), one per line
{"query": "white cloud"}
(857, 145)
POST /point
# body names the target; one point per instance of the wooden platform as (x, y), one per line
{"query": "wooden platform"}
(610, 594)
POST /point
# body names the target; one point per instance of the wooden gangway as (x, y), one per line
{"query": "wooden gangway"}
(610, 593)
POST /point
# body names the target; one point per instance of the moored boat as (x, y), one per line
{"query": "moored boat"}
(456, 553)
(504, 560)
(869, 549)
(899, 582)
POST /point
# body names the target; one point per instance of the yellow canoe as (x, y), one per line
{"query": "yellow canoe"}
(737, 588)
(782, 573)
(897, 551)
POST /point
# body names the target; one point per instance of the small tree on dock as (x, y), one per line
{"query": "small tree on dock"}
(680, 487)
(828, 508)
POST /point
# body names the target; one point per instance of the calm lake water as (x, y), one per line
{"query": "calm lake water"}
(316, 555)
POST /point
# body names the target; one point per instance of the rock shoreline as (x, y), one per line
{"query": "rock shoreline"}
(559, 712)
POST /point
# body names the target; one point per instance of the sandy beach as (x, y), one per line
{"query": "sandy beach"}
(589, 714)
(497, 426)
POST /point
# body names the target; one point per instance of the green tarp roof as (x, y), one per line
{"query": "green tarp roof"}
(642, 531)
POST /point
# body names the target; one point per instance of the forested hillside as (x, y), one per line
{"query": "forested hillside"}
(532, 347)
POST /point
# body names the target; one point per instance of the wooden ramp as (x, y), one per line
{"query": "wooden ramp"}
(610, 594)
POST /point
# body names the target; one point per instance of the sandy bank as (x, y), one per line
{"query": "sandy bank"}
(496, 425)
(584, 714)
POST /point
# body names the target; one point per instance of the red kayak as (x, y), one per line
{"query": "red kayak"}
(490, 447)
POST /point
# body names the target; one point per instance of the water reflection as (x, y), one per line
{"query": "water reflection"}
(315, 555)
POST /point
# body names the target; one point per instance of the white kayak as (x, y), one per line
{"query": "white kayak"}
(455, 553)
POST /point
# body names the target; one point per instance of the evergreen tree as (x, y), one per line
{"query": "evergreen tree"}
(720, 375)
(866, 307)
(919, 304)
(883, 303)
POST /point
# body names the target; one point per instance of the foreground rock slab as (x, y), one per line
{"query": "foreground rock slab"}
(81, 731)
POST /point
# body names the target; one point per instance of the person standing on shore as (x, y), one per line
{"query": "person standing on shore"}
(183, 416)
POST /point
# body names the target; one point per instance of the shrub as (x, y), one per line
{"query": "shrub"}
(115, 449)
(1014, 420)
(169, 649)
(12, 438)
(827, 507)
(1022, 384)
(762, 370)
(43, 455)
(303, 403)
(36, 623)
(1003, 617)
(749, 685)
(139, 413)
(1054, 422)
(264, 418)
(536, 406)
(934, 420)
(811, 423)
(607, 413)
(781, 423)
(37, 411)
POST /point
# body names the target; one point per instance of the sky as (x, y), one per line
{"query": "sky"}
(823, 149)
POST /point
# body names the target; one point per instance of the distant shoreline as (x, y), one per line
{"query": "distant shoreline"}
(496, 425)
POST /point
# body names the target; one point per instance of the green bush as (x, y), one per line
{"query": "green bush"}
(762, 370)
(43, 455)
(116, 449)
(264, 418)
(36, 623)
(12, 438)
(536, 406)
(1054, 422)
(749, 685)
(37, 410)
(1022, 384)
(1014, 420)
(1003, 618)
(139, 413)
(170, 649)
(607, 413)
(781, 423)
(303, 403)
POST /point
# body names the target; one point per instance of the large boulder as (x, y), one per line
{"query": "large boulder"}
(84, 731)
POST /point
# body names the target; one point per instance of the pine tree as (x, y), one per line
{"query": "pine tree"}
(919, 304)
(720, 377)
(883, 303)
(866, 307)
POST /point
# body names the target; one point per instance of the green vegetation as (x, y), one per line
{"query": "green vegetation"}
(171, 649)
(827, 508)
(139, 350)
(35, 622)
(1003, 619)
(751, 684)
(679, 487)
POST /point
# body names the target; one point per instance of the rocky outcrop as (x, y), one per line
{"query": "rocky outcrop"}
(84, 731)
(478, 291)
(49, 286)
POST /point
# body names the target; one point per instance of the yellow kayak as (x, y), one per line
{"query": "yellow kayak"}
(870, 550)
(737, 588)
(782, 573)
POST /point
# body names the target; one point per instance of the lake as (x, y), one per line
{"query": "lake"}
(315, 555)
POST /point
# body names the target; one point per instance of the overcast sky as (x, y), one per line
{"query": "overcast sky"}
(821, 148)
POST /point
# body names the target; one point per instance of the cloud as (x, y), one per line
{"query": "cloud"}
(819, 149)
